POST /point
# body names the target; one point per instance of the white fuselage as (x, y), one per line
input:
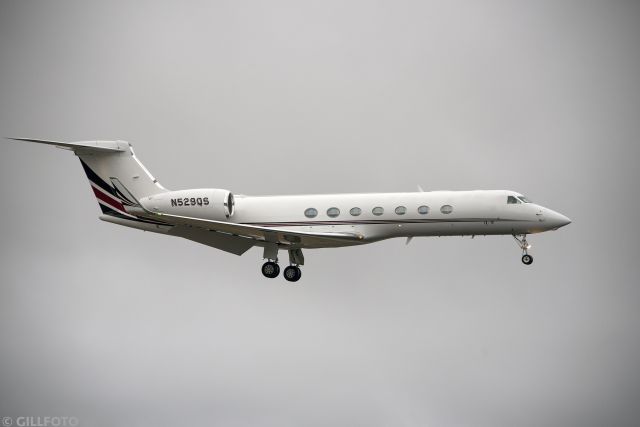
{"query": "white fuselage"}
(478, 212)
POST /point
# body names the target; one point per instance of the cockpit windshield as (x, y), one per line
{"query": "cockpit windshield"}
(511, 200)
(515, 200)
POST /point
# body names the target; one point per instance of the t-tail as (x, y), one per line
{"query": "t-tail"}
(116, 176)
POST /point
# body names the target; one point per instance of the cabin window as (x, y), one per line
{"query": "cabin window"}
(355, 211)
(511, 200)
(423, 210)
(446, 209)
(401, 210)
(377, 211)
(311, 213)
(333, 212)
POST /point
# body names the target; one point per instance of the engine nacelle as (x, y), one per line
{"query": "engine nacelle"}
(208, 203)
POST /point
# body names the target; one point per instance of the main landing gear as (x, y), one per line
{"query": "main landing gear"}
(271, 269)
(525, 246)
(292, 273)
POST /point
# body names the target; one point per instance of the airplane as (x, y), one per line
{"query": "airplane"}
(130, 196)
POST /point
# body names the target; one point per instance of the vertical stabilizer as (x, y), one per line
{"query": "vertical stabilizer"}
(106, 170)
(106, 162)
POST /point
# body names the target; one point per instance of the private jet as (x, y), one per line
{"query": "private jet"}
(130, 196)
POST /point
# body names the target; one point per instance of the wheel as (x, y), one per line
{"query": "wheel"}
(292, 273)
(270, 269)
(527, 259)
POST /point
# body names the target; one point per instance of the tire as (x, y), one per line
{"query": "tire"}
(270, 269)
(527, 259)
(292, 273)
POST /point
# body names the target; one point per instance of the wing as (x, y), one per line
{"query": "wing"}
(263, 234)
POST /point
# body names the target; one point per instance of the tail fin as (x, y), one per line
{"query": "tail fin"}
(111, 166)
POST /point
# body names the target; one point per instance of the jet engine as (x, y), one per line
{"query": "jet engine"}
(207, 203)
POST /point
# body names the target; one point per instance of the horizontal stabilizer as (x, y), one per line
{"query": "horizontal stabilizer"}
(98, 146)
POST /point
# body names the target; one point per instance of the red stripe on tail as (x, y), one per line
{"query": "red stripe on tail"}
(107, 199)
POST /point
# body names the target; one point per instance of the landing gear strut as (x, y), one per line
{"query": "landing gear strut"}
(271, 269)
(525, 246)
(293, 272)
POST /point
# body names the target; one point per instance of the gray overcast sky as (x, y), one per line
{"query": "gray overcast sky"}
(320, 97)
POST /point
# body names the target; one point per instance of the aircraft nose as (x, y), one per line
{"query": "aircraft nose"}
(557, 220)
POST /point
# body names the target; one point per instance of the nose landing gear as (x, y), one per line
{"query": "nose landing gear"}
(525, 246)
